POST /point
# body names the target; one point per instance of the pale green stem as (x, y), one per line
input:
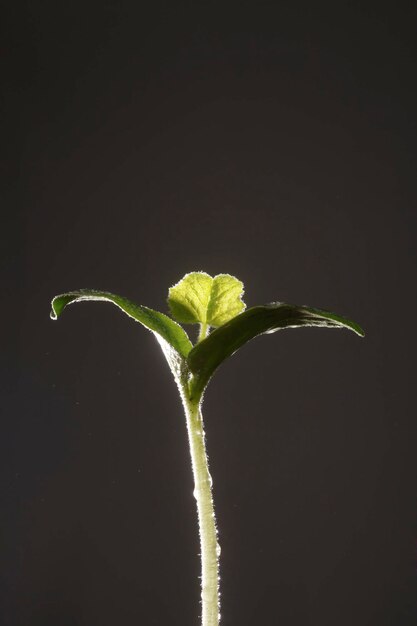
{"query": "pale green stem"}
(203, 332)
(210, 549)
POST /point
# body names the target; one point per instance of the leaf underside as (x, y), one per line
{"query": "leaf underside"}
(158, 323)
(206, 356)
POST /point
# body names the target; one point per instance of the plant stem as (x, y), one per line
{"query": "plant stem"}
(203, 332)
(210, 549)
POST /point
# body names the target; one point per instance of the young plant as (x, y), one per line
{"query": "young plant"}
(213, 303)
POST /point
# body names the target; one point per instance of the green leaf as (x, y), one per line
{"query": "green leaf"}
(200, 299)
(206, 356)
(225, 300)
(158, 323)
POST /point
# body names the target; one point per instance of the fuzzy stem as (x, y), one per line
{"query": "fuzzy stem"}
(210, 549)
(204, 328)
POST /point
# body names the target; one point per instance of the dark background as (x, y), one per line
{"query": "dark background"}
(270, 140)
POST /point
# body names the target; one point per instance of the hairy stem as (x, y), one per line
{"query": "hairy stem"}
(210, 549)
(204, 328)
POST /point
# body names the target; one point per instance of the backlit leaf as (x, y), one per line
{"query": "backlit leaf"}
(200, 299)
(158, 323)
(206, 356)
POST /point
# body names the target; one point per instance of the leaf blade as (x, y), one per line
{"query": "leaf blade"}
(154, 321)
(225, 300)
(198, 298)
(206, 356)
(189, 298)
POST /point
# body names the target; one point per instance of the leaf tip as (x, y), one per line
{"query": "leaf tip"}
(53, 313)
(58, 304)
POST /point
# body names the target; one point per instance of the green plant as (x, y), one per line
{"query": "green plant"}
(212, 303)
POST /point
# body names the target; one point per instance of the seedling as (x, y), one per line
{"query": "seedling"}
(213, 303)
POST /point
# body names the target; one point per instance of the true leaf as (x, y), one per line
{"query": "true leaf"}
(200, 299)
(206, 356)
(158, 323)
(225, 300)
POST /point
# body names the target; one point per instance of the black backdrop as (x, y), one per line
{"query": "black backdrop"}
(269, 140)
